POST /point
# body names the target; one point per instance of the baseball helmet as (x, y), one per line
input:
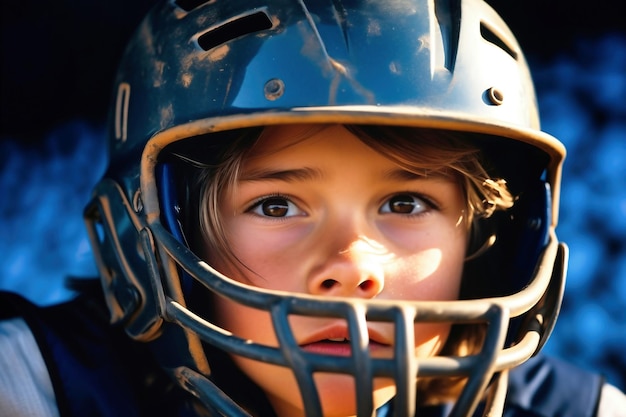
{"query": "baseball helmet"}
(199, 72)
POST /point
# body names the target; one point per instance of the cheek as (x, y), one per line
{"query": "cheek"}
(245, 322)
(265, 259)
(430, 274)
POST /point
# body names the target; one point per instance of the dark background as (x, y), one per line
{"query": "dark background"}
(58, 59)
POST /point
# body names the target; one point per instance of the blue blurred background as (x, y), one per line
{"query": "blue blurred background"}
(58, 60)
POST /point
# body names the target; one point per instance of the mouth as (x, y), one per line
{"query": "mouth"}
(336, 341)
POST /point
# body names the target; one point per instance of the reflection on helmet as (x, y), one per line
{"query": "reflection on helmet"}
(198, 72)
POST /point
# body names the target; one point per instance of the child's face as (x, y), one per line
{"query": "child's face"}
(329, 216)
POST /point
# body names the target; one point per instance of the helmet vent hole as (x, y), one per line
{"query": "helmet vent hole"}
(491, 36)
(188, 5)
(243, 25)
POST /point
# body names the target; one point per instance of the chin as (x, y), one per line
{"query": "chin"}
(338, 396)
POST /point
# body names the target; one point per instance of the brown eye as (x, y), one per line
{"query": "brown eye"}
(404, 204)
(275, 207)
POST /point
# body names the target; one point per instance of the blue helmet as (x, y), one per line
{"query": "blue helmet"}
(196, 70)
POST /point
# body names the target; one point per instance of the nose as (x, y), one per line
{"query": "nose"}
(357, 271)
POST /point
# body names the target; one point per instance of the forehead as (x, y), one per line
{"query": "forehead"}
(300, 146)
(425, 153)
(276, 138)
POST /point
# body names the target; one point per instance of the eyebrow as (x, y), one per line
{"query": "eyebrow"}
(287, 175)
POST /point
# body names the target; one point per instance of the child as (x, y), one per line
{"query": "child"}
(329, 208)
(391, 222)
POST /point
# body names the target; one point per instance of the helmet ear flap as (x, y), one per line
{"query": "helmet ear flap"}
(131, 277)
(515, 253)
(126, 259)
(542, 317)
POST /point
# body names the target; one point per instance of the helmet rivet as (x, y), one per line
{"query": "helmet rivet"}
(274, 89)
(137, 203)
(495, 96)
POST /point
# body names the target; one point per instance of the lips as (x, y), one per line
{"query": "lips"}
(335, 340)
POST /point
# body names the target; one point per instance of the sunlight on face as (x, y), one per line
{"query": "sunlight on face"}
(316, 211)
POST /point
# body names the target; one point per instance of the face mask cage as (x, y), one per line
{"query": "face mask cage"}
(404, 367)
